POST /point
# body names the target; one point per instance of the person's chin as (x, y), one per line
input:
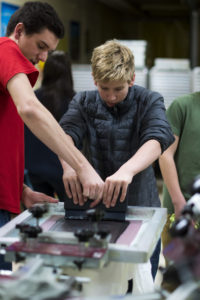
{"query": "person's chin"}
(111, 104)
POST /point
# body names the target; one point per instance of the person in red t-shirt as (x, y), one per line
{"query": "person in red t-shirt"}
(33, 31)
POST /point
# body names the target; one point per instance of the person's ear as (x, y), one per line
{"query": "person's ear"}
(19, 29)
(132, 81)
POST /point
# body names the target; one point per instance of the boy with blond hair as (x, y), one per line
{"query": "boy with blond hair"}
(125, 128)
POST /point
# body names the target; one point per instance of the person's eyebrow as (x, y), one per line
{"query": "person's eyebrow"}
(44, 43)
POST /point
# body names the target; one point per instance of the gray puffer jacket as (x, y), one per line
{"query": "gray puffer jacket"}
(113, 135)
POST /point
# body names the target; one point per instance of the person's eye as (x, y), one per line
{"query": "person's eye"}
(42, 47)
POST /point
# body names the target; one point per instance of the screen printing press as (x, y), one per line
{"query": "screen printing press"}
(102, 256)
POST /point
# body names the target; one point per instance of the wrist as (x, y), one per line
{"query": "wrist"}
(128, 169)
(24, 187)
(83, 167)
(178, 200)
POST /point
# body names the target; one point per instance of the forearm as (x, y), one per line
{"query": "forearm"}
(64, 164)
(44, 126)
(42, 123)
(170, 177)
(120, 180)
(144, 157)
(50, 132)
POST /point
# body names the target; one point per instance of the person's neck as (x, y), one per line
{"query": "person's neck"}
(12, 38)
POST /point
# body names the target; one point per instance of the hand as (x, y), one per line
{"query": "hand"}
(73, 186)
(93, 185)
(29, 197)
(119, 181)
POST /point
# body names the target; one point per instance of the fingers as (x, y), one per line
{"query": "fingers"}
(115, 196)
(114, 191)
(124, 192)
(42, 198)
(95, 202)
(52, 200)
(107, 194)
(89, 192)
(67, 189)
(94, 192)
(86, 192)
(97, 194)
(78, 194)
(93, 185)
(73, 190)
(82, 188)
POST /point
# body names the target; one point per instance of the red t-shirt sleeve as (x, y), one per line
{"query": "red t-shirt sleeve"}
(12, 62)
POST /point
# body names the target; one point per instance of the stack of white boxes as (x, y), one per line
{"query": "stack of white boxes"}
(82, 76)
(171, 78)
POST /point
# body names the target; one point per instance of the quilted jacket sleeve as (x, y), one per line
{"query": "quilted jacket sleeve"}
(154, 123)
(73, 121)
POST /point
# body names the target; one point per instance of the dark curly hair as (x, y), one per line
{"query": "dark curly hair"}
(36, 16)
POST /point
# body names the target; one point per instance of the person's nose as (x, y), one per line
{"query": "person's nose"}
(43, 56)
(111, 96)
